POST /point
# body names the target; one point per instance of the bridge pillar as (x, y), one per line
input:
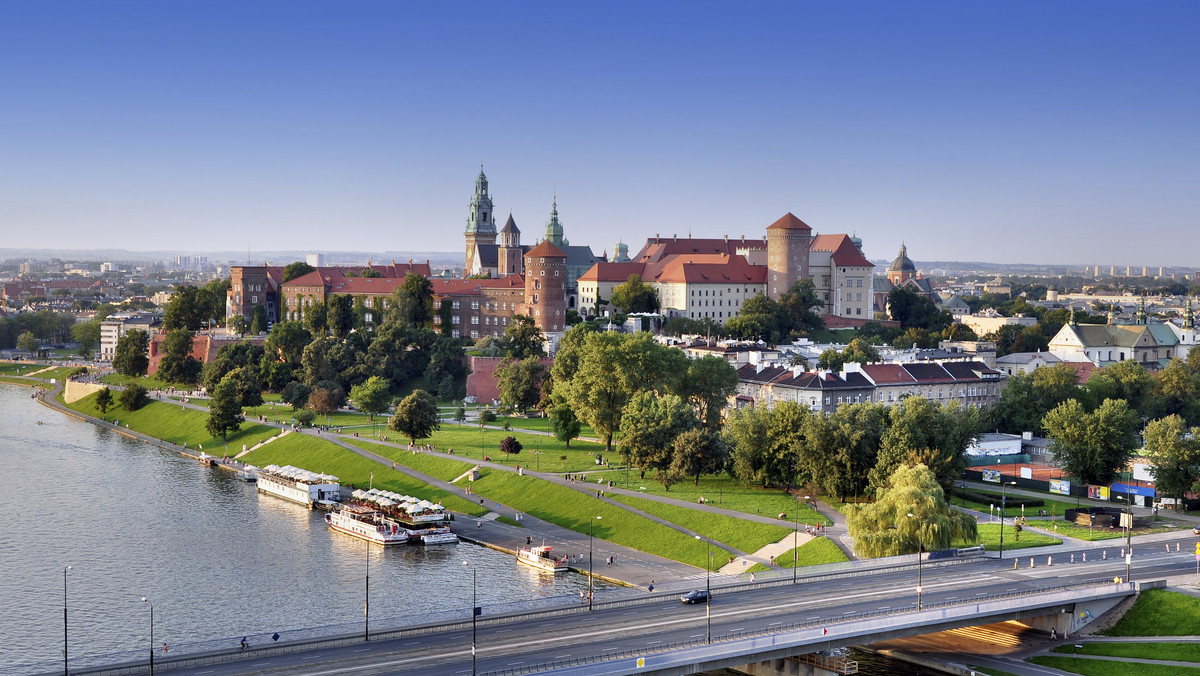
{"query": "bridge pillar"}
(1070, 618)
(790, 666)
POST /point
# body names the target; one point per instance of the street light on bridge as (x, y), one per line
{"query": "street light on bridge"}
(474, 614)
(920, 550)
(144, 600)
(1003, 502)
(65, 671)
(707, 593)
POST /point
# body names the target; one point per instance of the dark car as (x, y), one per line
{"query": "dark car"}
(696, 596)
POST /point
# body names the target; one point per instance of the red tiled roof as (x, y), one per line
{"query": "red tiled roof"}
(888, 374)
(843, 251)
(546, 250)
(656, 249)
(725, 270)
(612, 272)
(789, 222)
(359, 285)
(314, 278)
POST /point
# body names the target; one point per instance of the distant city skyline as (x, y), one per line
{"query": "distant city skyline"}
(1054, 133)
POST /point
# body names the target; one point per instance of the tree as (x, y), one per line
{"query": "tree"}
(131, 358)
(799, 305)
(709, 383)
(295, 393)
(87, 334)
(133, 397)
(698, 451)
(1177, 391)
(297, 269)
(412, 302)
(748, 438)
(523, 339)
(510, 446)
(186, 310)
(460, 414)
(760, 318)
(1092, 447)
(372, 396)
(635, 296)
(177, 364)
(258, 320)
(340, 315)
(246, 385)
(1126, 380)
(649, 426)
(844, 446)
(923, 431)
(325, 400)
(315, 319)
(27, 342)
(1027, 398)
(564, 423)
(1174, 452)
(416, 416)
(885, 527)
(520, 382)
(225, 409)
(104, 399)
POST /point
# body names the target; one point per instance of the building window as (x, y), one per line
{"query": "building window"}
(454, 319)
(474, 305)
(454, 305)
(474, 319)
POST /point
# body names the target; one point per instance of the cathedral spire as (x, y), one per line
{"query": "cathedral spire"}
(554, 229)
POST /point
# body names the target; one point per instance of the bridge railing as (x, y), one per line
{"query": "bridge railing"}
(822, 624)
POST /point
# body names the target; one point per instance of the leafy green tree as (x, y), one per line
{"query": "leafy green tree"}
(131, 357)
(275, 375)
(412, 302)
(510, 446)
(296, 393)
(104, 399)
(186, 310)
(297, 269)
(87, 334)
(698, 451)
(248, 389)
(133, 397)
(844, 446)
(1092, 447)
(649, 426)
(416, 416)
(486, 417)
(1174, 452)
(564, 423)
(239, 325)
(1126, 380)
(372, 396)
(709, 383)
(177, 364)
(909, 514)
(760, 318)
(225, 409)
(446, 317)
(523, 339)
(799, 305)
(1027, 398)
(635, 296)
(520, 382)
(460, 414)
(27, 342)
(447, 369)
(921, 431)
(325, 398)
(915, 311)
(1177, 391)
(340, 315)
(316, 319)
(747, 434)
(258, 320)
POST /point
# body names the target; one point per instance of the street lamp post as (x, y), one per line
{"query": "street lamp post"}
(474, 614)
(1128, 540)
(66, 672)
(920, 550)
(144, 600)
(795, 544)
(1003, 502)
(707, 594)
(367, 594)
(591, 521)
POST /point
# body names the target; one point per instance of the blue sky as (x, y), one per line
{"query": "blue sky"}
(995, 131)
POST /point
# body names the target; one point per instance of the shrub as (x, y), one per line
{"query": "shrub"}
(133, 397)
(305, 417)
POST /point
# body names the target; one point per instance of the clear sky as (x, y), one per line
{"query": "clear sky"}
(996, 131)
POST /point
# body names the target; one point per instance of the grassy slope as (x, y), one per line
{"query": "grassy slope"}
(811, 553)
(1175, 652)
(989, 535)
(1159, 612)
(1111, 668)
(721, 490)
(318, 455)
(172, 424)
(743, 535)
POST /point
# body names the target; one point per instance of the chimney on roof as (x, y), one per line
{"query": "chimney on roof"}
(675, 237)
(797, 369)
(727, 239)
(409, 262)
(758, 368)
(743, 238)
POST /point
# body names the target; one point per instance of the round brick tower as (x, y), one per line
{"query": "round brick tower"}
(546, 288)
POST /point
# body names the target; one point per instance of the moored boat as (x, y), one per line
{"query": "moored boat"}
(542, 559)
(368, 524)
(298, 485)
(434, 536)
(410, 512)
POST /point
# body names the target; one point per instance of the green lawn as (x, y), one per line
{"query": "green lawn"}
(1052, 506)
(19, 369)
(167, 421)
(433, 465)
(1094, 534)
(20, 381)
(569, 508)
(538, 424)
(811, 553)
(1175, 652)
(990, 671)
(721, 490)
(275, 410)
(743, 535)
(57, 373)
(989, 536)
(1159, 612)
(318, 455)
(1111, 667)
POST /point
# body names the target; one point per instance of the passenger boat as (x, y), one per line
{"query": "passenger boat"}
(249, 474)
(410, 512)
(368, 524)
(298, 485)
(542, 559)
(433, 536)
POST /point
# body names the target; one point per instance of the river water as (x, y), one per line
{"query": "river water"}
(216, 560)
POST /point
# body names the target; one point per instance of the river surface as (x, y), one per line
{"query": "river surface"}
(216, 560)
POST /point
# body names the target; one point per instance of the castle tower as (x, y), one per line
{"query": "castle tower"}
(508, 257)
(788, 240)
(481, 222)
(620, 253)
(554, 229)
(546, 288)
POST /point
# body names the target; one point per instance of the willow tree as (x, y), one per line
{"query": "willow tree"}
(910, 511)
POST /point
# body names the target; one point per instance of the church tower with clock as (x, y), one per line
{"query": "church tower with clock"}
(481, 221)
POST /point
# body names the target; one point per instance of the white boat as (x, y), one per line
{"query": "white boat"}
(249, 474)
(542, 559)
(368, 524)
(298, 485)
(435, 536)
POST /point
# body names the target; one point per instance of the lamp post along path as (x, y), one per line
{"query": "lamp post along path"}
(144, 600)
(66, 671)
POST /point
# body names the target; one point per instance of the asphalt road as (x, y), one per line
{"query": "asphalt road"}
(606, 630)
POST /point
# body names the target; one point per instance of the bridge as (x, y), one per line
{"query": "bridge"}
(756, 624)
